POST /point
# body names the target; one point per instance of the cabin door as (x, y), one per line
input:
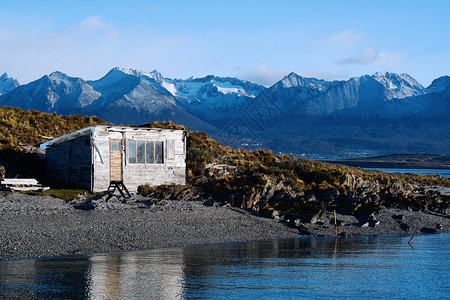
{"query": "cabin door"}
(115, 160)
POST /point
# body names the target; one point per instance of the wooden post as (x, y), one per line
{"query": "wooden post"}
(335, 224)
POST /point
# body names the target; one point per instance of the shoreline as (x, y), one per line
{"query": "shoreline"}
(42, 226)
(398, 161)
(33, 227)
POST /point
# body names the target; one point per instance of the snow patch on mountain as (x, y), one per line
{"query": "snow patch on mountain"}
(137, 73)
(400, 85)
(294, 80)
(170, 86)
(212, 97)
(198, 87)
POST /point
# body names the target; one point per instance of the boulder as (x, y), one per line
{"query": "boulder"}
(278, 215)
(398, 188)
(270, 188)
(364, 187)
(320, 217)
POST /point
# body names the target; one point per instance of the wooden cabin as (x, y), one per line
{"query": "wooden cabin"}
(94, 157)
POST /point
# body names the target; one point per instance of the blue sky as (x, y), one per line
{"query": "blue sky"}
(260, 41)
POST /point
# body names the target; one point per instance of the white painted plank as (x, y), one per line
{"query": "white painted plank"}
(19, 181)
(29, 188)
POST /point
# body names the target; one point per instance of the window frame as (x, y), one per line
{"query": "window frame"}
(145, 161)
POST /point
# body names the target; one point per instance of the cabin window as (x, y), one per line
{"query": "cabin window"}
(150, 146)
(132, 152)
(159, 152)
(115, 146)
(170, 149)
(141, 152)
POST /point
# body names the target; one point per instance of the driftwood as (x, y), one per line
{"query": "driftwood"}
(22, 184)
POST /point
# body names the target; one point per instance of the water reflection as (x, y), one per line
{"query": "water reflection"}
(156, 274)
(34, 279)
(314, 268)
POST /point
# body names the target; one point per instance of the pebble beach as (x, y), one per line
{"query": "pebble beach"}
(42, 226)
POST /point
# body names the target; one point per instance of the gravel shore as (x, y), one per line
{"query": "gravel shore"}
(40, 226)
(43, 226)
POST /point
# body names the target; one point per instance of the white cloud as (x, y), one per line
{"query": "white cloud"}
(95, 22)
(263, 75)
(343, 39)
(323, 75)
(371, 56)
(364, 57)
(390, 59)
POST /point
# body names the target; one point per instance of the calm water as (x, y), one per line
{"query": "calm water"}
(442, 172)
(363, 267)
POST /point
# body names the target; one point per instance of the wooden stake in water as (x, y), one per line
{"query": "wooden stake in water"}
(335, 224)
(409, 243)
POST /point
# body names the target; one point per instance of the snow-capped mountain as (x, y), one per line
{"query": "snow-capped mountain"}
(297, 95)
(139, 97)
(400, 85)
(146, 95)
(296, 114)
(295, 90)
(56, 92)
(433, 104)
(212, 97)
(122, 96)
(7, 84)
(365, 96)
(384, 112)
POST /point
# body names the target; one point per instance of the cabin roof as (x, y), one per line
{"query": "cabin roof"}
(91, 129)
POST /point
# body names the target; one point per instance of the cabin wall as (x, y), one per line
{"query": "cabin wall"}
(172, 171)
(57, 158)
(70, 162)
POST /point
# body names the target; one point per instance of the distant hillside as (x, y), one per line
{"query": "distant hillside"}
(32, 127)
(402, 161)
(267, 183)
(257, 180)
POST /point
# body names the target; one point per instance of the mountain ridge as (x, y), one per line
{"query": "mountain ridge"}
(260, 116)
(7, 84)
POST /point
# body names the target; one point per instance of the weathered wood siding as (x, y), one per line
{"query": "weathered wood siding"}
(172, 171)
(85, 160)
(70, 162)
